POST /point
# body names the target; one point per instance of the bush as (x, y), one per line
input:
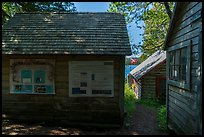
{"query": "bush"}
(162, 119)
(129, 100)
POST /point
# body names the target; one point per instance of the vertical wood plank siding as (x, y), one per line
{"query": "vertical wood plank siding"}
(182, 105)
(60, 107)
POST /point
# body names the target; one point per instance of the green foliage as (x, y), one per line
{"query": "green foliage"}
(143, 57)
(129, 100)
(11, 8)
(162, 119)
(156, 22)
(156, 25)
(47, 6)
(154, 103)
(127, 61)
(132, 11)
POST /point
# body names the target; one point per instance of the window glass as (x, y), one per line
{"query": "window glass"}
(183, 64)
(178, 65)
(183, 55)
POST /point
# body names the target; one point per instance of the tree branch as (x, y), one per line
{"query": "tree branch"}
(168, 11)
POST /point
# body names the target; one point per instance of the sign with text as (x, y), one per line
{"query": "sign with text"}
(91, 78)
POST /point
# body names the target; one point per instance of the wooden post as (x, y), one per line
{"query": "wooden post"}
(121, 90)
(167, 86)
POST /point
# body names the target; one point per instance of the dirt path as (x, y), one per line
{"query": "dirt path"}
(143, 122)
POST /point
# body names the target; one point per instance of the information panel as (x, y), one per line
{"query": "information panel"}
(32, 76)
(91, 78)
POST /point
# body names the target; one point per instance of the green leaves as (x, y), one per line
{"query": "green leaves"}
(156, 20)
(162, 119)
(129, 100)
(11, 8)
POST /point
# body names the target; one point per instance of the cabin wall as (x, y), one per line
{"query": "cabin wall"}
(148, 82)
(129, 80)
(135, 86)
(183, 105)
(137, 90)
(60, 107)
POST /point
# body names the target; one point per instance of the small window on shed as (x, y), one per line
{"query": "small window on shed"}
(179, 66)
(29, 76)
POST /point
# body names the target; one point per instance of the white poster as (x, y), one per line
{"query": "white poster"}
(91, 78)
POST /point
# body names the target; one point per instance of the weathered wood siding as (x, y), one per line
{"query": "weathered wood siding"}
(137, 86)
(137, 90)
(60, 107)
(148, 83)
(183, 105)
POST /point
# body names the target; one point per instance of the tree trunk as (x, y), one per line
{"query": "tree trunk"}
(168, 11)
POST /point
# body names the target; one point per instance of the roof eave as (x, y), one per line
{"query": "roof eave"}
(178, 5)
(155, 67)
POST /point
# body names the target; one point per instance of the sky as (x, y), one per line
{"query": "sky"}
(133, 31)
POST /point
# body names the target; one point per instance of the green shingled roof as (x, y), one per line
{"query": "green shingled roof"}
(66, 33)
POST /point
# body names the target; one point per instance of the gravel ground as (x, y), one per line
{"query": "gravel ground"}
(143, 122)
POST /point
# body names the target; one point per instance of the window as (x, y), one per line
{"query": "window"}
(179, 66)
(91, 78)
(31, 76)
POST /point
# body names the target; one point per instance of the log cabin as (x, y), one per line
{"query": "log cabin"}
(65, 68)
(148, 79)
(183, 45)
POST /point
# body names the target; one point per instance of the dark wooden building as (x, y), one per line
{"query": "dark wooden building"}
(184, 69)
(64, 67)
(148, 79)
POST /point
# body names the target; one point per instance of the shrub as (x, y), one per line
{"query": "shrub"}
(129, 100)
(162, 119)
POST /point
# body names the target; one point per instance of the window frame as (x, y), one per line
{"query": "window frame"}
(175, 48)
(33, 67)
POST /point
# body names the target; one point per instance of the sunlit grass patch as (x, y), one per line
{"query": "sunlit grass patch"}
(129, 100)
(162, 119)
(155, 103)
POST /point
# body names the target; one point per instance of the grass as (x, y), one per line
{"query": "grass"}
(129, 104)
(162, 119)
(154, 103)
(129, 100)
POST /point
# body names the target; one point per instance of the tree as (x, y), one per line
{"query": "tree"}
(156, 17)
(11, 8)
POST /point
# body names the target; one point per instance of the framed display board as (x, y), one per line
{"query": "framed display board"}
(32, 76)
(91, 78)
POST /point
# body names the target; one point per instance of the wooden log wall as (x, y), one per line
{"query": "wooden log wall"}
(148, 83)
(60, 107)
